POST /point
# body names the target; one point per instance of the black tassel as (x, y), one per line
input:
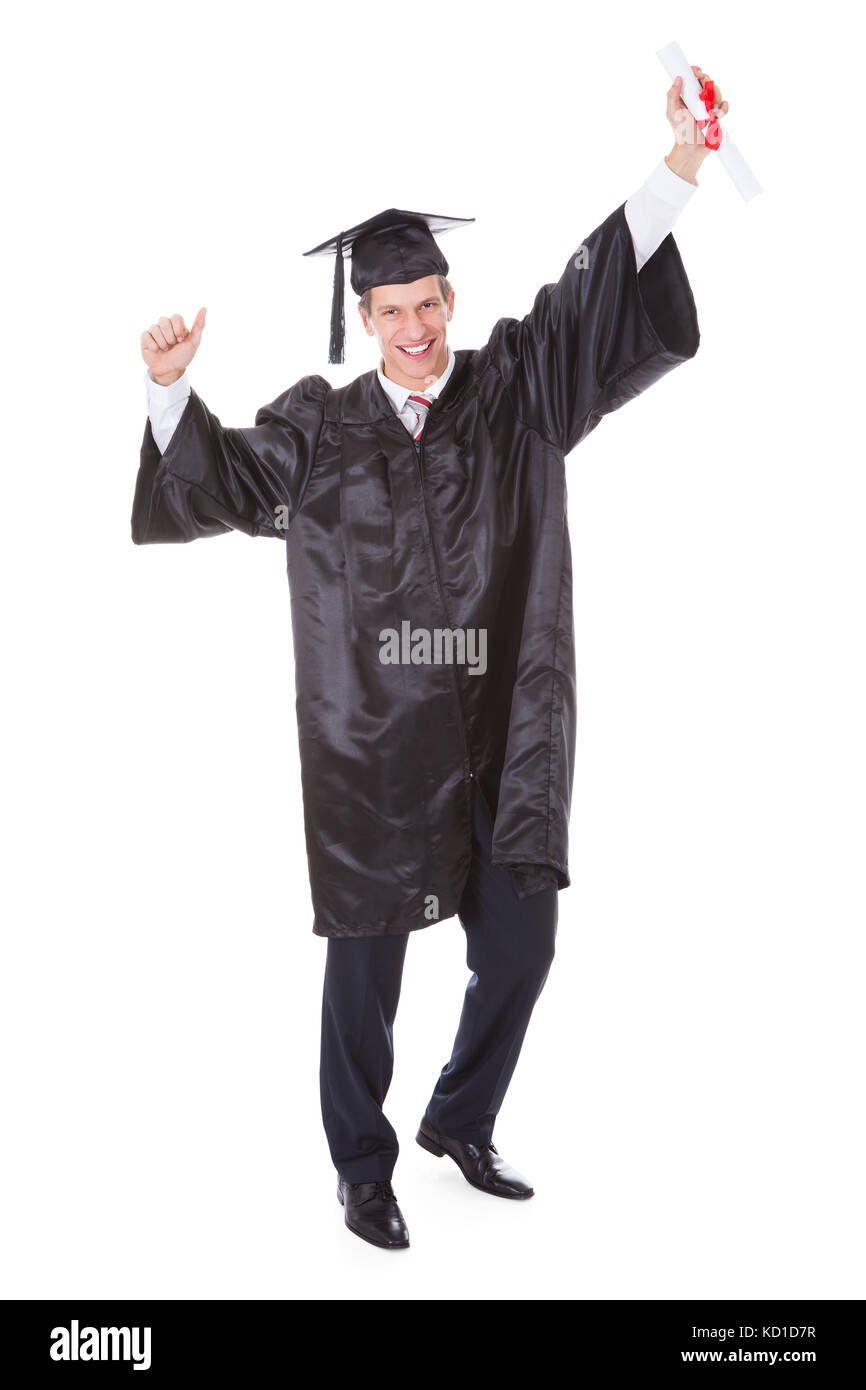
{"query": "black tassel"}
(338, 320)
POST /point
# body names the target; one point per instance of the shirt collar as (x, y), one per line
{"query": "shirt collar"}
(399, 394)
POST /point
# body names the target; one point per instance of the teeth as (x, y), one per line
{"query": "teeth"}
(416, 352)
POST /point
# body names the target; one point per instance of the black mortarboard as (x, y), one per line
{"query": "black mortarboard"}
(392, 248)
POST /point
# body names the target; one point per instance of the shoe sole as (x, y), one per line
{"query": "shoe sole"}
(377, 1243)
(438, 1152)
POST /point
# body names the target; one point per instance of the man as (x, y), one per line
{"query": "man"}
(423, 508)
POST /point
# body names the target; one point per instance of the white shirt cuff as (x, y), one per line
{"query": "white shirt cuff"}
(167, 395)
(652, 211)
(670, 187)
(165, 406)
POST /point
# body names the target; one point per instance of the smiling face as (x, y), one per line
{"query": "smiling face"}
(409, 323)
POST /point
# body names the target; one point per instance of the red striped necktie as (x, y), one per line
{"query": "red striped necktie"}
(420, 405)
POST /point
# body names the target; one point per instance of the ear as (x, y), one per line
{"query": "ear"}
(450, 305)
(368, 327)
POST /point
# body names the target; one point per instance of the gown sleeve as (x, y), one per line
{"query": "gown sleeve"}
(596, 338)
(212, 479)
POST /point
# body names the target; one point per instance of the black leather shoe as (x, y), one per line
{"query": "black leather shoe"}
(372, 1213)
(482, 1167)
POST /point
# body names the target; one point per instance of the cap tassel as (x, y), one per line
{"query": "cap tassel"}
(338, 320)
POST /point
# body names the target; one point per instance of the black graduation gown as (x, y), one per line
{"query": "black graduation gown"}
(470, 531)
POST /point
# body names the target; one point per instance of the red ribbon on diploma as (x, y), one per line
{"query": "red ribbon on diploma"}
(711, 128)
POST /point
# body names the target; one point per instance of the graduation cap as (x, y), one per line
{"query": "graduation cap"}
(393, 248)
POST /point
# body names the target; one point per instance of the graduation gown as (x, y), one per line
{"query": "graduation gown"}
(467, 531)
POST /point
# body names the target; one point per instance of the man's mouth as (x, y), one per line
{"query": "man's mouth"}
(417, 349)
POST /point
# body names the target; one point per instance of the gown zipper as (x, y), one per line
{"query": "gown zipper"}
(418, 451)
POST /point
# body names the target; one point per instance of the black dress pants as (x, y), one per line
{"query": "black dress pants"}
(509, 949)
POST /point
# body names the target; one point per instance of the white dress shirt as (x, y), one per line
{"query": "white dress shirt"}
(650, 213)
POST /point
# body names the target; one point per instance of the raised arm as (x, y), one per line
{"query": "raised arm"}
(202, 478)
(599, 336)
(620, 316)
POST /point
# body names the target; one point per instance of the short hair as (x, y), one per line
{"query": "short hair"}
(445, 288)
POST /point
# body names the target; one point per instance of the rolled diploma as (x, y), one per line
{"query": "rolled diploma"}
(673, 60)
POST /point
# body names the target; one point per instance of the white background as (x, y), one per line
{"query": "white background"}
(689, 1099)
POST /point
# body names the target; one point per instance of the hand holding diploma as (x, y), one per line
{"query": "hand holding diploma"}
(690, 96)
(690, 149)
